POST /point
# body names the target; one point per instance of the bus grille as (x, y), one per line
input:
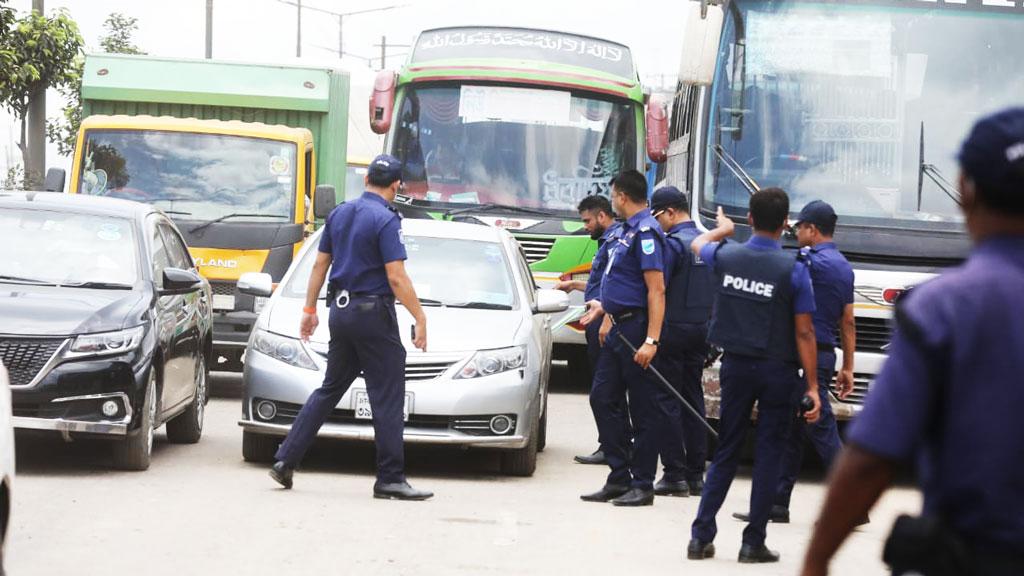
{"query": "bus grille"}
(873, 334)
(861, 385)
(24, 358)
(536, 249)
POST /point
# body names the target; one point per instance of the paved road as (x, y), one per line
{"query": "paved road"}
(201, 510)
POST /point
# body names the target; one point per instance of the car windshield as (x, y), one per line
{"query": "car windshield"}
(49, 247)
(541, 149)
(444, 271)
(192, 176)
(863, 106)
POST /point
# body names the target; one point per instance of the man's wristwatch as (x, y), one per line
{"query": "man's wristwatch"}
(651, 341)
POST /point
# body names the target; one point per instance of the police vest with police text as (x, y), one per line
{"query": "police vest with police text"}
(753, 309)
(691, 289)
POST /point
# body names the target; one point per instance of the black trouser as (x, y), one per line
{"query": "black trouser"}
(684, 450)
(621, 407)
(364, 337)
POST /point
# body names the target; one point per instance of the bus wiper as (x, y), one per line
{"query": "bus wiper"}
(99, 285)
(20, 280)
(493, 206)
(233, 215)
(429, 302)
(933, 174)
(734, 166)
(176, 212)
(481, 305)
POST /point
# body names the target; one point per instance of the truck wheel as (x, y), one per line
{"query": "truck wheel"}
(187, 427)
(135, 451)
(259, 447)
(523, 461)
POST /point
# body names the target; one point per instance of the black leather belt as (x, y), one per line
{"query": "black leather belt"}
(631, 314)
(823, 347)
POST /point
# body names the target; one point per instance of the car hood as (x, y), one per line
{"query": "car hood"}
(57, 311)
(448, 329)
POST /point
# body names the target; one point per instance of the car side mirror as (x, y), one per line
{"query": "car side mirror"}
(256, 284)
(54, 181)
(549, 301)
(324, 200)
(178, 281)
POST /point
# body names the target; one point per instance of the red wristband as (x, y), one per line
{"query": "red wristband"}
(308, 310)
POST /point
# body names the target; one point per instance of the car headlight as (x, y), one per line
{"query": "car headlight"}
(287, 350)
(106, 343)
(489, 362)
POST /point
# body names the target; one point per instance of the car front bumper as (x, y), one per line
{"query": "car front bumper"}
(439, 407)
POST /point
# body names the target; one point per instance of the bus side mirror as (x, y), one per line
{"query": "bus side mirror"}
(657, 131)
(324, 200)
(700, 43)
(54, 181)
(382, 102)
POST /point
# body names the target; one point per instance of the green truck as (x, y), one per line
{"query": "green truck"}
(232, 152)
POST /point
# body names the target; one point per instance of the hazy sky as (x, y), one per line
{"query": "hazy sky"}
(265, 31)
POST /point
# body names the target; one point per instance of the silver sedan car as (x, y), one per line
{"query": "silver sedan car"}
(482, 382)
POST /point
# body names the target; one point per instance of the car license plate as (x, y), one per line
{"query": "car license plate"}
(223, 302)
(364, 412)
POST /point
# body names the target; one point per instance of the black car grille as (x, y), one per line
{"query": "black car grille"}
(223, 288)
(24, 358)
(873, 334)
(287, 412)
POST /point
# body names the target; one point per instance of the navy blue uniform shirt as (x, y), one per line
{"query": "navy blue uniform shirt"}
(362, 236)
(636, 246)
(597, 265)
(671, 258)
(803, 292)
(950, 394)
(832, 278)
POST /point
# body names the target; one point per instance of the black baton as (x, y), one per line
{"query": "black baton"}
(671, 389)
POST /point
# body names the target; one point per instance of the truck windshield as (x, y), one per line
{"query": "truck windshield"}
(542, 149)
(863, 106)
(191, 176)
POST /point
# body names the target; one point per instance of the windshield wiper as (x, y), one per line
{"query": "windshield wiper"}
(492, 206)
(734, 166)
(99, 285)
(233, 215)
(20, 280)
(429, 302)
(481, 305)
(933, 174)
(176, 212)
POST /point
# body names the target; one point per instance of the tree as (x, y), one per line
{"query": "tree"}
(117, 40)
(38, 52)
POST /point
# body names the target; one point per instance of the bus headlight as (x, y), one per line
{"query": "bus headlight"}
(287, 350)
(490, 362)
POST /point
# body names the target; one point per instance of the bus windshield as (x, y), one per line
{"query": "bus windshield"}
(863, 106)
(541, 149)
(192, 176)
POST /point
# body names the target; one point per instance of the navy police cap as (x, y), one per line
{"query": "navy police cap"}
(993, 152)
(385, 169)
(819, 213)
(668, 197)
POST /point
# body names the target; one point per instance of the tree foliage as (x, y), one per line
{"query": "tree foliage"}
(117, 39)
(39, 52)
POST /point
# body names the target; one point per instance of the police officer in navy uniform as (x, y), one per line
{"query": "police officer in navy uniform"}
(948, 398)
(633, 305)
(598, 220)
(832, 278)
(762, 321)
(362, 245)
(684, 347)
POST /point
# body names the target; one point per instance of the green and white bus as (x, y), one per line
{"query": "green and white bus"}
(511, 128)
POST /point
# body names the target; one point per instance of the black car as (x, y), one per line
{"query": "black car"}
(105, 324)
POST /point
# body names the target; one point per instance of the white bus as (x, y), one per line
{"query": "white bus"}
(859, 103)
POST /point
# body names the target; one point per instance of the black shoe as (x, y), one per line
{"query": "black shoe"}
(696, 487)
(778, 515)
(698, 550)
(750, 554)
(399, 491)
(607, 493)
(672, 488)
(282, 474)
(635, 497)
(596, 458)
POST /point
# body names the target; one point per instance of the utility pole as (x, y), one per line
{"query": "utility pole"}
(298, 29)
(384, 50)
(35, 162)
(209, 29)
(341, 21)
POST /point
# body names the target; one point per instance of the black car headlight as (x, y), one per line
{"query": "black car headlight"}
(490, 362)
(106, 343)
(287, 350)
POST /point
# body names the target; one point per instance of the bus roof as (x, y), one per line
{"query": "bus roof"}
(525, 56)
(206, 82)
(170, 124)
